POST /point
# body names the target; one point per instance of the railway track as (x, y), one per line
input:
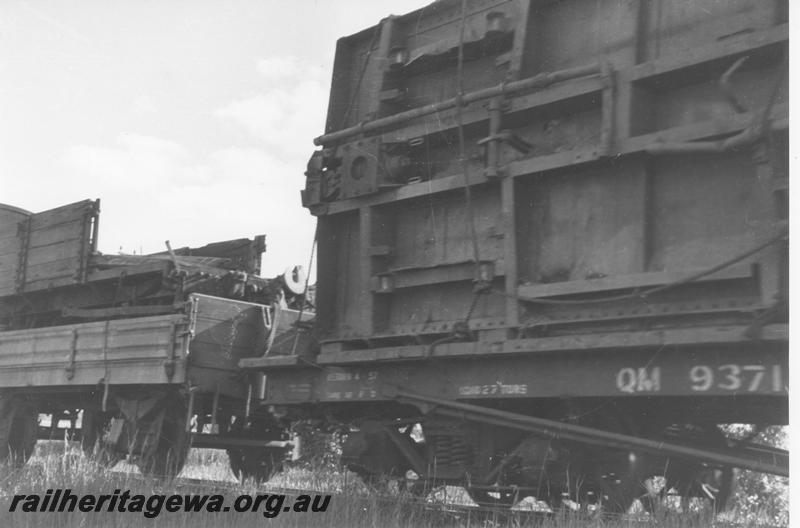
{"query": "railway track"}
(448, 507)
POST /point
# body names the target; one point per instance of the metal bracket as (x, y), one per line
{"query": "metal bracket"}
(193, 307)
(70, 368)
(114, 434)
(24, 232)
(403, 444)
(510, 138)
(383, 283)
(270, 324)
(169, 364)
(190, 409)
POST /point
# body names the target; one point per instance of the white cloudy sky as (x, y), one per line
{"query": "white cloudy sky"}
(191, 120)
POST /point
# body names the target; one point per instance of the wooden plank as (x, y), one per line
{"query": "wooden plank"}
(67, 213)
(132, 351)
(622, 282)
(55, 269)
(9, 247)
(115, 272)
(56, 247)
(57, 233)
(48, 283)
(243, 253)
(7, 287)
(120, 311)
(9, 213)
(10, 243)
(66, 249)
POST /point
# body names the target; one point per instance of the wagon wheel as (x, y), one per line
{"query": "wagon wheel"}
(19, 424)
(416, 487)
(94, 426)
(614, 478)
(618, 477)
(169, 455)
(711, 485)
(259, 463)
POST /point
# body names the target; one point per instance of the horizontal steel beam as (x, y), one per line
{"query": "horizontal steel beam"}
(531, 83)
(611, 341)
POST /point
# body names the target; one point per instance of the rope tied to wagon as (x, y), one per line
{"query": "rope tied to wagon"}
(461, 330)
(298, 322)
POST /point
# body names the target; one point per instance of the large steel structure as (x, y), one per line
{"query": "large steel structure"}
(552, 241)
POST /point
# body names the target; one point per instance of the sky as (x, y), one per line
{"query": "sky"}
(191, 120)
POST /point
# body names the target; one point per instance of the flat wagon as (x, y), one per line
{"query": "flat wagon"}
(552, 243)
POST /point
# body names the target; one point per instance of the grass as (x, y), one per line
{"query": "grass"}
(61, 465)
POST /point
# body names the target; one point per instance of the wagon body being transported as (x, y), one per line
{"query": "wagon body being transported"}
(553, 242)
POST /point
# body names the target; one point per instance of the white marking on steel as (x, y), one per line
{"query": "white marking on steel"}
(631, 380)
(514, 389)
(702, 377)
(734, 377)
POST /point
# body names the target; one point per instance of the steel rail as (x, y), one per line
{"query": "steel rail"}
(589, 435)
(531, 83)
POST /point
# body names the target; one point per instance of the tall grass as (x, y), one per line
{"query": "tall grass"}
(62, 465)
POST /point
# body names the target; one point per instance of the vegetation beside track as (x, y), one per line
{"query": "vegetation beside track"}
(61, 465)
